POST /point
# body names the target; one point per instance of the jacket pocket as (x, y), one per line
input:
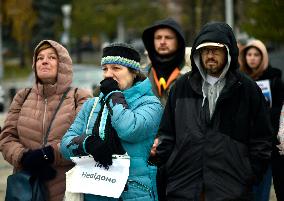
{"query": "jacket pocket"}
(236, 159)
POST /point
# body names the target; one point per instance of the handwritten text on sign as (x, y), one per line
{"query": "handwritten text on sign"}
(90, 177)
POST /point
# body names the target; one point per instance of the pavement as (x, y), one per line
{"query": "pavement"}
(5, 170)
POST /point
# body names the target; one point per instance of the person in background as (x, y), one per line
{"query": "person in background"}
(24, 140)
(168, 59)
(125, 120)
(254, 62)
(165, 45)
(215, 134)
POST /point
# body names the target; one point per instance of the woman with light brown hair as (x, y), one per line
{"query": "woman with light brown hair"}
(39, 116)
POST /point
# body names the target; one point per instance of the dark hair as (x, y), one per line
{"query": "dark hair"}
(139, 75)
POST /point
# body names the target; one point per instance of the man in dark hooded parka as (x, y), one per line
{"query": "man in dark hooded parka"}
(215, 134)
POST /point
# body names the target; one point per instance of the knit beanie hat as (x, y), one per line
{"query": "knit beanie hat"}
(122, 54)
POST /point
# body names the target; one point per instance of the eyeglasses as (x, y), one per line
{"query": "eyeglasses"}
(214, 50)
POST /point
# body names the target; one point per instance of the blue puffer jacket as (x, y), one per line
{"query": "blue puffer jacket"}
(136, 128)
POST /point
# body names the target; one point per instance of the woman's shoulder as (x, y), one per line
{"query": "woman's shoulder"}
(149, 99)
(22, 95)
(272, 73)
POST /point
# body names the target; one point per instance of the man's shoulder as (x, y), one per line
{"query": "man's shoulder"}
(183, 79)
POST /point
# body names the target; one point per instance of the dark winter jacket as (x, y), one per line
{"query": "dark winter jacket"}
(219, 156)
(277, 91)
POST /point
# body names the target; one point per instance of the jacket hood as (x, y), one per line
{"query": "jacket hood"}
(264, 62)
(217, 32)
(64, 72)
(148, 38)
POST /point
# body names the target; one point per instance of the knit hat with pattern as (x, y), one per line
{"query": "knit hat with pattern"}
(122, 54)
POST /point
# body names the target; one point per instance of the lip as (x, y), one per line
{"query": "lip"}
(44, 70)
(163, 48)
(211, 63)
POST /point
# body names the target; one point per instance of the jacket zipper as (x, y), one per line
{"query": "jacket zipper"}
(43, 123)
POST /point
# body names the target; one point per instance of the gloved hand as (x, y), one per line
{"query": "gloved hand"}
(79, 141)
(46, 173)
(38, 158)
(108, 85)
(100, 150)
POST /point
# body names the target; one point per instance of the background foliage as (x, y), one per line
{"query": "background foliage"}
(25, 23)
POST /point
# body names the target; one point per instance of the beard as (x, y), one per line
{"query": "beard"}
(215, 72)
(214, 67)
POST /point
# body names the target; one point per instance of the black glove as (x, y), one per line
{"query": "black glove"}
(45, 173)
(35, 160)
(108, 85)
(79, 141)
(100, 150)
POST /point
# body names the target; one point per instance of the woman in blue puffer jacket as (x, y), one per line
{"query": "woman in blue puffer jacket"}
(125, 120)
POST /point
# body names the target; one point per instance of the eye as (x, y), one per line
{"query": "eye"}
(52, 57)
(116, 68)
(39, 58)
(157, 37)
(169, 37)
(104, 69)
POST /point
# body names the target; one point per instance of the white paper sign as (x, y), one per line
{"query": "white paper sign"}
(265, 88)
(90, 177)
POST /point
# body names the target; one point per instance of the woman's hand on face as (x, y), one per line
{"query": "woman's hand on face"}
(108, 85)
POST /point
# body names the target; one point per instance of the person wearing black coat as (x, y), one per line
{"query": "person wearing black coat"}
(254, 61)
(215, 134)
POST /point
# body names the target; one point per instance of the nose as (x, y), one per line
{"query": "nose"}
(210, 53)
(45, 60)
(108, 73)
(163, 40)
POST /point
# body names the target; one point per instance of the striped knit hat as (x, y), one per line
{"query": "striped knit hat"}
(122, 54)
